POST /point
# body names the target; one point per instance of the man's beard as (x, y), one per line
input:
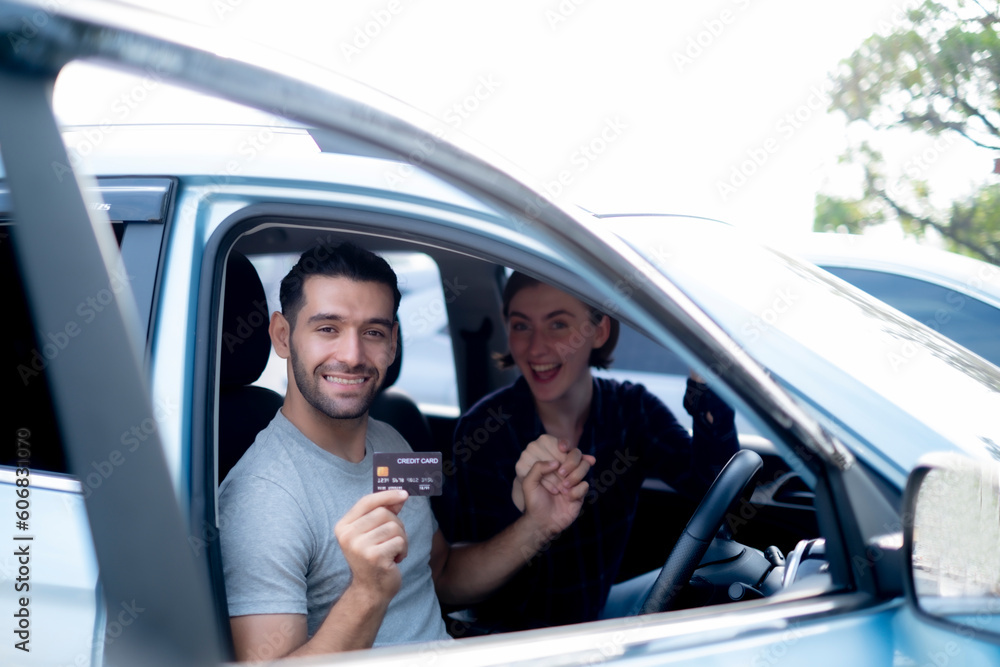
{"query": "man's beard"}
(309, 387)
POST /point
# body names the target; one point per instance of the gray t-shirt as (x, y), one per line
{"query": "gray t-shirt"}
(277, 510)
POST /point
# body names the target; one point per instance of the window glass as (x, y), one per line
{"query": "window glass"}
(966, 320)
(638, 359)
(428, 371)
(26, 353)
(271, 269)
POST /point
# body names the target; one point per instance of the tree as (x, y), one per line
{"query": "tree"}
(935, 72)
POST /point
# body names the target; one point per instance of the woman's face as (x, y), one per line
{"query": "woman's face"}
(551, 335)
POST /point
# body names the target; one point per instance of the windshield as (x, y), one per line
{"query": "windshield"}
(872, 372)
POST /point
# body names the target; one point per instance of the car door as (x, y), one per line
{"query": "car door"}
(65, 253)
(56, 569)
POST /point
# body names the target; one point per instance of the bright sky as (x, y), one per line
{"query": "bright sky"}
(716, 108)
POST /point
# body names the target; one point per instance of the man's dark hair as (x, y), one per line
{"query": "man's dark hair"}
(599, 358)
(344, 260)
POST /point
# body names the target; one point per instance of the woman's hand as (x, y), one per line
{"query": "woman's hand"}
(573, 467)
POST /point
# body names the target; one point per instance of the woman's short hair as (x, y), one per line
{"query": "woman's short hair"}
(599, 357)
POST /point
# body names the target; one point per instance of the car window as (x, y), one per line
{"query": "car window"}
(428, 370)
(642, 361)
(965, 319)
(26, 354)
(636, 352)
(136, 208)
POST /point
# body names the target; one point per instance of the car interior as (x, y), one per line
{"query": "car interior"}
(774, 521)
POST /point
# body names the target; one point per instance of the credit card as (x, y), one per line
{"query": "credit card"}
(417, 473)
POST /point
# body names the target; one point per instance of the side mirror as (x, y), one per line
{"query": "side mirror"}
(951, 539)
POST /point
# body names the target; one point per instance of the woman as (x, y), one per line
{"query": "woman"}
(612, 434)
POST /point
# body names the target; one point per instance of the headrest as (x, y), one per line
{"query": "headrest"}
(246, 344)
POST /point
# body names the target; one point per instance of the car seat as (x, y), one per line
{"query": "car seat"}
(397, 408)
(244, 409)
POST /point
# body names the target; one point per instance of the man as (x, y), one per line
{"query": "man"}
(314, 561)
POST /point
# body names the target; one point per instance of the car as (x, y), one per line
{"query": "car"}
(137, 256)
(956, 295)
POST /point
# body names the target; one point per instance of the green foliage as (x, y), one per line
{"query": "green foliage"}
(844, 215)
(936, 71)
(977, 220)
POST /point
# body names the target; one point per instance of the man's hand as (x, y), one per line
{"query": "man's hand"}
(550, 483)
(552, 513)
(573, 467)
(373, 540)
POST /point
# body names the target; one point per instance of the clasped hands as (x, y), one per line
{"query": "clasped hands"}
(550, 480)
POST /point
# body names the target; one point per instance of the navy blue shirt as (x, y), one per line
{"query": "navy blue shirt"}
(631, 434)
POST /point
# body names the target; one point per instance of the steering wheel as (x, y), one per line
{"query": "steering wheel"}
(700, 530)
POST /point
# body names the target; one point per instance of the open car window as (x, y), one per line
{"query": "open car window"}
(780, 513)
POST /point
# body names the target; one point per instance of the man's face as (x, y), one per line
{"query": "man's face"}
(343, 341)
